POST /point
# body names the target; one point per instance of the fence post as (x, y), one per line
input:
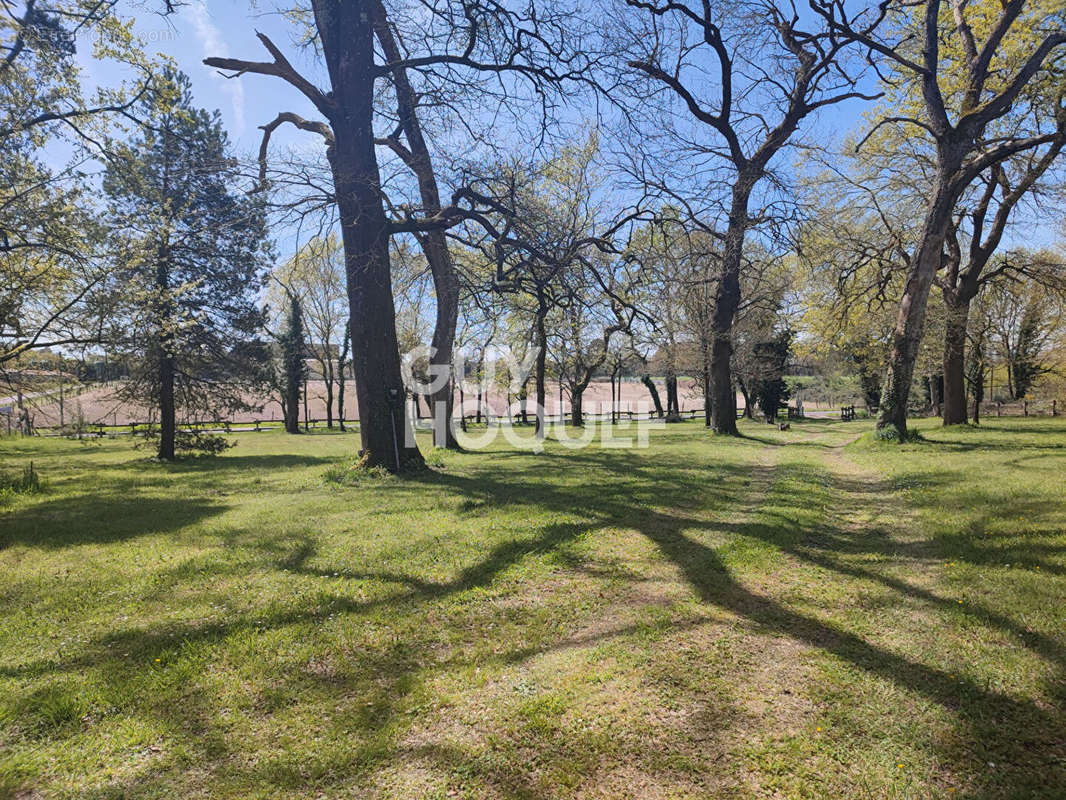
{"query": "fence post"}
(999, 409)
(1054, 409)
(1025, 408)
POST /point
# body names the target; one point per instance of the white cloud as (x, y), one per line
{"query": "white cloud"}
(212, 43)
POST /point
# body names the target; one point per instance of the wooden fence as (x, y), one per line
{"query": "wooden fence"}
(1022, 408)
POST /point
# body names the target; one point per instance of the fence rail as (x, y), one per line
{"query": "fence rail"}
(200, 426)
(1022, 408)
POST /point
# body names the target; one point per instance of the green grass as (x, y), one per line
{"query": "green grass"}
(790, 614)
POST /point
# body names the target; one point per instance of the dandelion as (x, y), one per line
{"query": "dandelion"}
(818, 728)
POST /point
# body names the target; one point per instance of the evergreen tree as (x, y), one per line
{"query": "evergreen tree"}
(1026, 366)
(293, 364)
(194, 255)
(770, 389)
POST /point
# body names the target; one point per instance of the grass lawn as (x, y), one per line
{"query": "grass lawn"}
(789, 614)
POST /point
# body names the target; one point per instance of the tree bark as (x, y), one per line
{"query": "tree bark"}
(954, 405)
(347, 40)
(291, 407)
(307, 416)
(577, 418)
(673, 406)
(647, 381)
(329, 390)
(612, 396)
(434, 243)
(910, 320)
(542, 361)
(167, 416)
(726, 303)
(167, 412)
(446, 284)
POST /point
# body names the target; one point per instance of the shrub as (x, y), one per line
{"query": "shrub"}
(198, 442)
(209, 444)
(890, 433)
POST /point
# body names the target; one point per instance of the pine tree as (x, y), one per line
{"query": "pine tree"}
(194, 255)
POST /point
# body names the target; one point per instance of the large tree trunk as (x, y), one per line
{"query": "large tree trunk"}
(167, 416)
(291, 407)
(954, 407)
(907, 337)
(910, 320)
(726, 303)
(167, 413)
(434, 243)
(577, 418)
(673, 405)
(446, 285)
(347, 42)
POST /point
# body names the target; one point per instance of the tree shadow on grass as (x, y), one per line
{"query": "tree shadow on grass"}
(101, 518)
(240, 463)
(630, 492)
(1031, 755)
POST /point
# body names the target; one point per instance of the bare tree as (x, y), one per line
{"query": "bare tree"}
(588, 323)
(747, 74)
(315, 274)
(458, 37)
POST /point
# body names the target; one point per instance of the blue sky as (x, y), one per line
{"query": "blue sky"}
(227, 28)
